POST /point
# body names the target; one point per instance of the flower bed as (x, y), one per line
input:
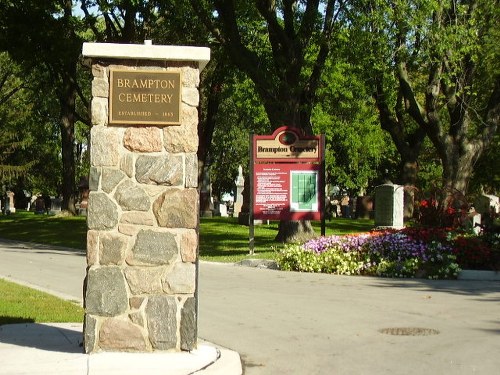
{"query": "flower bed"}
(436, 253)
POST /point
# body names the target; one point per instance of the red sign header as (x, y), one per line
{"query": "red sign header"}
(287, 144)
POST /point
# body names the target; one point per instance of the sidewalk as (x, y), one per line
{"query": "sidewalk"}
(39, 349)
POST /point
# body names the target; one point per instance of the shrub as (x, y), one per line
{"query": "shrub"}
(410, 252)
(389, 253)
(294, 258)
(472, 252)
(441, 207)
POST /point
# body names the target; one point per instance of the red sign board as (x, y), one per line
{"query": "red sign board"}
(287, 176)
(287, 191)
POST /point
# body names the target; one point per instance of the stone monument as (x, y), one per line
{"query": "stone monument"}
(238, 196)
(10, 202)
(389, 206)
(486, 203)
(140, 290)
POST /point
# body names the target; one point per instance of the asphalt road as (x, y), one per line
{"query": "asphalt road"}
(293, 323)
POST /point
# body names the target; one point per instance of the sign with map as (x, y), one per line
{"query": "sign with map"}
(287, 176)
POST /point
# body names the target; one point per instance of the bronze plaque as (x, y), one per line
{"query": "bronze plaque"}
(144, 97)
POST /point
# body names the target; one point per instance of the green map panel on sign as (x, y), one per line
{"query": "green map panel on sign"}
(304, 190)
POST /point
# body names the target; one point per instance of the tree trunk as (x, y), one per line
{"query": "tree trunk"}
(206, 124)
(408, 142)
(458, 166)
(409, 173)
(294, 231)
(67, 127)
(459, 149)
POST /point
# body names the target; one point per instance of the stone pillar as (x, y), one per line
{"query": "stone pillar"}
(140, 291)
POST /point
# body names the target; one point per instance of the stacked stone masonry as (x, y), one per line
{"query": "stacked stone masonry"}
(142, 237)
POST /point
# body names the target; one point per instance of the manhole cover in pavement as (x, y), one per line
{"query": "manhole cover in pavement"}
(409, 331)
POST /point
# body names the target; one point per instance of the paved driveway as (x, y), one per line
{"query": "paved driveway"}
(292, 323)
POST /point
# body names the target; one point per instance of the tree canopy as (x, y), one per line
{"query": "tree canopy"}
(434, 72)
(281, 46)
(408, 83)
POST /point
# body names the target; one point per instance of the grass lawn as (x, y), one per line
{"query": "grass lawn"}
(221, 239)
(19, 304)
(52, 230)
(224, 240)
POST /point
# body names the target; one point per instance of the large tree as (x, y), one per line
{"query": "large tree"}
(46, 36)
(121, 21)
(11, 90)
(282, 47)
(358, 151)
(434, 69)
(240, 112)
(29, 136)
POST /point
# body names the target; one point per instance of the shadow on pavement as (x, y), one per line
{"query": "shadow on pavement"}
(459, 287)
(14, 320)
(18, 246)
(42, 336)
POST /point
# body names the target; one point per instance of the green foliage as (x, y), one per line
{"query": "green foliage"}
(294, 258)
(39, 33)
(29, 147)
(433, 66)
(356, 147)
(240, 113)
(15, 123)
(281, 48)
(45, 39)
(296, 66)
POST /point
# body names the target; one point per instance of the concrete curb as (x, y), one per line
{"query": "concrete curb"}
(479, 275)
(228, 362)
(258, 263)
(475, 275)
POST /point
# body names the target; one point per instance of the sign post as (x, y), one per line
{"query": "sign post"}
(251, 232)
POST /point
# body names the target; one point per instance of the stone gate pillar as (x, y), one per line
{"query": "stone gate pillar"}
(140, 291)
